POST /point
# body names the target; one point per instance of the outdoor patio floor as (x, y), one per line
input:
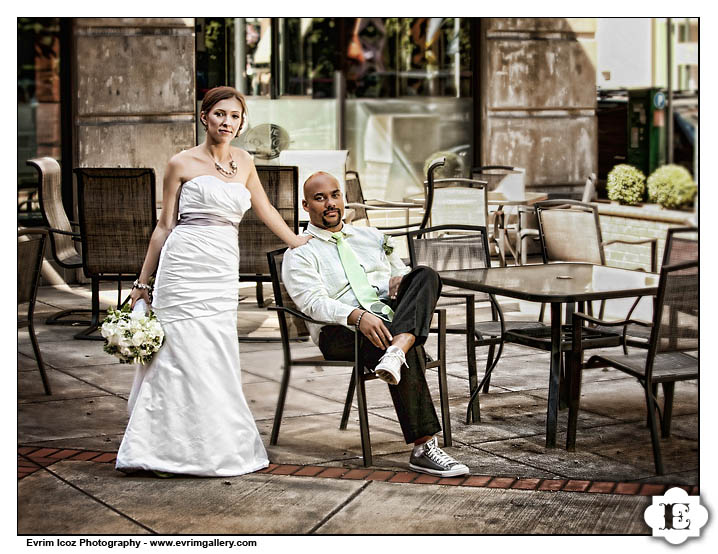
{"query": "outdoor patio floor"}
(317, 482)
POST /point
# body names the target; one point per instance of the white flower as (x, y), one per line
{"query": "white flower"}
(138, 338)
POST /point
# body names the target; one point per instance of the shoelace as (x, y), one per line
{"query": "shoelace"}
(437, 455)
(399, 355)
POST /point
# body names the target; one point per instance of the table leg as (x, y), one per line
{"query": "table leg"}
(554, 377)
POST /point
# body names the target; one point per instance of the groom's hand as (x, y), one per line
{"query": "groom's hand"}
(394, 283)
(374, 329)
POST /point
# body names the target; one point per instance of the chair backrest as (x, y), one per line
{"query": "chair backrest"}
(681, 245)
(290, 327)
(511, 181)
(459, 201)
(30, 248)
(354, 194)
(53, 211)
(675, 319)
(589, 189)
(570, 232)
(255, 238)
(117, 216)
(448, 247)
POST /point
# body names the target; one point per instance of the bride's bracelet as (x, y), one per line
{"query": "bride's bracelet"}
(141, 286)
(358, 321)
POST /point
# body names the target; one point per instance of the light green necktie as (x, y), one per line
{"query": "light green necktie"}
(365, 293)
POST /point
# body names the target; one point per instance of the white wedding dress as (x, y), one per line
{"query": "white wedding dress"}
(188, 414)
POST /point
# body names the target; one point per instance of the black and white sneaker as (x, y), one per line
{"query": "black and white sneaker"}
(429, 458)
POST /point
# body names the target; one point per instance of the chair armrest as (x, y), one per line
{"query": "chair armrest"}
(61, 232)
(653, 245)
(604, 323)
(298, 314)
(385, 206)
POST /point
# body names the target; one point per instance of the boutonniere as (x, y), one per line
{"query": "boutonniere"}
(387, 245)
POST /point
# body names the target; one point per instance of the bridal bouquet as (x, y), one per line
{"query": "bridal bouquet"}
(132, 336)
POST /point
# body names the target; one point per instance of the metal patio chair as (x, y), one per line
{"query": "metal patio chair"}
(30, 249)
(361, 209)
(117, 216)
(681, 246)
(674, 333)
(292, 325)
(63, 239)
(449, 247)
(570, 232)
(280, 182)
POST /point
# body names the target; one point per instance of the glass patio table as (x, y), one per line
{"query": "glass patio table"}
(555, 284)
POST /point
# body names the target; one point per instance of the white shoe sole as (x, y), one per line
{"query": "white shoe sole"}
(387, 376)
(449, 473)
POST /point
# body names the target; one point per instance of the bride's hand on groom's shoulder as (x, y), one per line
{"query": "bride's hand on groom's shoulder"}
(301, 240)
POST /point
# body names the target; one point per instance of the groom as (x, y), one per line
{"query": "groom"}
(350, 277)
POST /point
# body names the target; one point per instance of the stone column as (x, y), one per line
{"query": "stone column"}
(134, 92)
(538, 98)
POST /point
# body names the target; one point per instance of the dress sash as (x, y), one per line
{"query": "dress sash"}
(198, 218)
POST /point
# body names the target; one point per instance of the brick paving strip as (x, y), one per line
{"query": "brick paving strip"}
(32, 458)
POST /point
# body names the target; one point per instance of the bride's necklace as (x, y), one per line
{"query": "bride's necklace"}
(232, 166)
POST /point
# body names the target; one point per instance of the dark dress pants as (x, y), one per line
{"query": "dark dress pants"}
(413, 309)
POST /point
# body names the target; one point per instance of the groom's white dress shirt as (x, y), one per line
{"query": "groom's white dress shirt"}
(314, 276)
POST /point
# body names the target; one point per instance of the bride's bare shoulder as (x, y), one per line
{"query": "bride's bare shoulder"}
(240, 154)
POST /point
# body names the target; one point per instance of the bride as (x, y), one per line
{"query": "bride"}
(188, 414)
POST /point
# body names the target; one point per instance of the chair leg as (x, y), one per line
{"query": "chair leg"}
(443, 384)
(38, 357)
(59, 317)
(668, 390)
(471, 357)
(362, 408)
(654, 390)
(490, 362)
(280, 403)
(86, 334)
(650, 405)
(348, 402)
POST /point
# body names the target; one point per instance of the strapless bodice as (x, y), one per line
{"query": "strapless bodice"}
(212, 195)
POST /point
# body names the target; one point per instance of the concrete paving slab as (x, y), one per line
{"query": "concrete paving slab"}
(98, 443)
(71, 353)
(115, 378)
(625, 400)
(581, 464)
(30, 389)
(632, 442)
(317, 439)
(48, 333)
(250, 504)
(262, 400)
(72, 418)
(391, 508)
(26, 362)
(46, 505)
(507, 415)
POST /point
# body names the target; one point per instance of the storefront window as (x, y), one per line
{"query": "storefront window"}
(396, 57)
(408, 88)
(38, 105)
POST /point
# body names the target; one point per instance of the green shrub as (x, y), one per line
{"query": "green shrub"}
(626, 184)
(453, 166)
(671, 186)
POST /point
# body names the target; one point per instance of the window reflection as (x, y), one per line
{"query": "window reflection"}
(38, 104)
